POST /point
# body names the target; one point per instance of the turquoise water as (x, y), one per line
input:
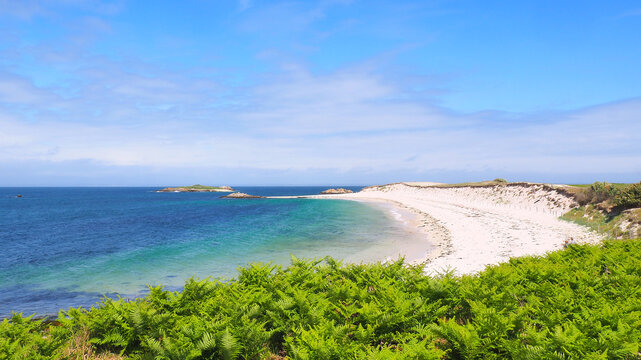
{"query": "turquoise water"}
(66, 247)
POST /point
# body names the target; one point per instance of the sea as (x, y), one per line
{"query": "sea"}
(70, 247)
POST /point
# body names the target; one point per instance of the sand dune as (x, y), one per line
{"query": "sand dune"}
(476, 226)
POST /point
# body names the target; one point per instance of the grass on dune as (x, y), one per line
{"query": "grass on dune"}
(615, 225)
(617, 185)
(475, 184)
(610, 209)
(608, 196)
(583, 302)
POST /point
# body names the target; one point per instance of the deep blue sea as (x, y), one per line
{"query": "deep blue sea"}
(68, 247)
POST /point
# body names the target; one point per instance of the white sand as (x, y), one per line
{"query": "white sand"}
(477, 226)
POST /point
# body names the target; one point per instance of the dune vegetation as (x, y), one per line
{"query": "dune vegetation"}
(610, 209)
(583, 302)
(623, 224)
(608, 196)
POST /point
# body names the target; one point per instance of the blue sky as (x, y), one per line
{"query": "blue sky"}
(318, 92)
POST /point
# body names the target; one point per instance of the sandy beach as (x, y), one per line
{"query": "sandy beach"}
(473, 227)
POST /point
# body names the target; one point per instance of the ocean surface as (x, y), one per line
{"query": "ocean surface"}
(68, 247)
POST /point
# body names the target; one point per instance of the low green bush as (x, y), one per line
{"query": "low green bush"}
(597, 193)
(630, 197)
(623, 196)
(583, 302)
(602, 191)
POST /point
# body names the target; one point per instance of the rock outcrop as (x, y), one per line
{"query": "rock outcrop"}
(239, 195)
(337, 191)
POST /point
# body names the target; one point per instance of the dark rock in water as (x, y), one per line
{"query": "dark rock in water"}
(18, 196)
(337, 191)
(239, 195)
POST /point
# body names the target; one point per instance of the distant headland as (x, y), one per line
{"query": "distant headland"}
(198, 188)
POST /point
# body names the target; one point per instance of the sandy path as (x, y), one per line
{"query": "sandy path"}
(474, 227)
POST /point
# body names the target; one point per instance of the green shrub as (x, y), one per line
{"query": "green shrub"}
(580, 303)
(500, 180)
(630, 197)
(597, 193)
(602, 191)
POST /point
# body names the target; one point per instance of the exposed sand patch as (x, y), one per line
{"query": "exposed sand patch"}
(477, 226)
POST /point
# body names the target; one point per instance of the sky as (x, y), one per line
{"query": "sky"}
(153, 93)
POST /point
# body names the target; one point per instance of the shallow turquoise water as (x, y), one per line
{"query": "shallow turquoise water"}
(68, 246)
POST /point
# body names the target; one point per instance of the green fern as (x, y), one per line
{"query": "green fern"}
(580, 303)
(229, 345)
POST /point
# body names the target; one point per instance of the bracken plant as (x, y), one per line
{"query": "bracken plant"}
(583, 302)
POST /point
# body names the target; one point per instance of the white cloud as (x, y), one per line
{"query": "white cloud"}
(27, 9)
(353, 120)
(21, 9)
(347, 101)
(601, 137)
(18, 91)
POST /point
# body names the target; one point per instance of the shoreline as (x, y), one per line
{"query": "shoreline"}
(473, 227)
(433, 236)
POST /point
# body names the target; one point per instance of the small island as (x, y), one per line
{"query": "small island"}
(337, 191)
(198, 188)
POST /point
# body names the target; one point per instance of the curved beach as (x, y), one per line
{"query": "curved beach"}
(476, 226)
